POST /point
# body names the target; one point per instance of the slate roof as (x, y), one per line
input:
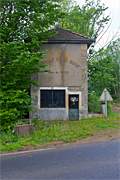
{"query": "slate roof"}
(68, 37)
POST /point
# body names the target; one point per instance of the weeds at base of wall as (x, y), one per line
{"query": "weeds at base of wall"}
(63, 131)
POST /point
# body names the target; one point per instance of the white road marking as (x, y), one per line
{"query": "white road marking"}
(24, 152)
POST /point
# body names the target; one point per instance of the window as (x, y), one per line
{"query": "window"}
(52, 98)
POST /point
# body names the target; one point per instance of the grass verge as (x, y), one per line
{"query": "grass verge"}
(63, 131)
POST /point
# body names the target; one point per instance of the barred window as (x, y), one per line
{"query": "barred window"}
(52, 98)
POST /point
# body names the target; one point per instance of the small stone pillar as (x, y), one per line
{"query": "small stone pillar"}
(23, 130)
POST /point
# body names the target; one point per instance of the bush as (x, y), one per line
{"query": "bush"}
(8, 119)
(93, 103)
(14, 105)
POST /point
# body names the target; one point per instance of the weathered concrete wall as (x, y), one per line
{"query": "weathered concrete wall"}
(67, 67)
(53, 114)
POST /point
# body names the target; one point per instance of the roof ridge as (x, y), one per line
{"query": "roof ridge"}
(67, 36)
(78, 34)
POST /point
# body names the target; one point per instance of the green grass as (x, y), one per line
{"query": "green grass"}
(65, 131)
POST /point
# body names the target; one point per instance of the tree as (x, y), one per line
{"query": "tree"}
(104, 70)
(89, 20)
(104, 64)
(24, 26)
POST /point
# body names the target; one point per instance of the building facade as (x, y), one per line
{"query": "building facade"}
(62, 91)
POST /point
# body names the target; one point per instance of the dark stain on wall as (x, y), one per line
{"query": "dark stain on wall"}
(63, 59)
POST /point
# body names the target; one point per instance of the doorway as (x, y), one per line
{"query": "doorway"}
(73, 106)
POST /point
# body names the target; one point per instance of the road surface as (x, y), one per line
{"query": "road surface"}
(96, 161)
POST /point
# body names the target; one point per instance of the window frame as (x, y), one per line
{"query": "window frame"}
(51, 88)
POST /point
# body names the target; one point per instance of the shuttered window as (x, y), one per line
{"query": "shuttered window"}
(52, 98)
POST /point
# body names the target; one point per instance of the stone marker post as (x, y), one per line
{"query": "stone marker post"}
(104, 98)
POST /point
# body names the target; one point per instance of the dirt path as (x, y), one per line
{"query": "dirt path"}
(102, 136)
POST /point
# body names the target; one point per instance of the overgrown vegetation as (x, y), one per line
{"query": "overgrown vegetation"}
(94, 103)
(65, 131)
(24, 25)
(104, 70)
(91, 19)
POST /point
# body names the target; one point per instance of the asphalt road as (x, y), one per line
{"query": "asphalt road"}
(97, 161)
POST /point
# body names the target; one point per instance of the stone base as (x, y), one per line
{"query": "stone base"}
(23, 130)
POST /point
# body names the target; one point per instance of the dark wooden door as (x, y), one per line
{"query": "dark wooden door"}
(74, 107)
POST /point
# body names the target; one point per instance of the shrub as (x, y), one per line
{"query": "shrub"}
(93, 103)
(8, 119)
(14, 105)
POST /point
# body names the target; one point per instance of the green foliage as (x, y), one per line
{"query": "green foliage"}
(94, 103)
(8, 119)
(17, 65)
(89, 20)
(104, 65)
(104, 70)
(58, 131)
(109, 108)
(14, 104)
(24, 26)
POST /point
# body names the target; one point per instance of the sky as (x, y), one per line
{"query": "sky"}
(114, 29)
